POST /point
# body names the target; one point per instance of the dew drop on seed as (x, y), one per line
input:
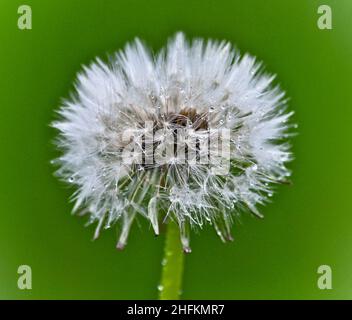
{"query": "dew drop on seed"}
(211, 109)
(71, 179)
(187, 250)
(160, 288)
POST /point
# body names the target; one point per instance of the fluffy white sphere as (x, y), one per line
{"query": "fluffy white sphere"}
(202, 92)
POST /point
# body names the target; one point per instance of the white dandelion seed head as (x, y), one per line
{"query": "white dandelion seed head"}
(194, 99)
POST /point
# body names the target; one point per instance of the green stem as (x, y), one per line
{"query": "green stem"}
(172, 270)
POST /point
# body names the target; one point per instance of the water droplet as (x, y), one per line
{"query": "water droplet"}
(120, 246)
(71, 179)
(187, 250)
(164, 262)
(211, 109)
(160, 288)
(270, 194)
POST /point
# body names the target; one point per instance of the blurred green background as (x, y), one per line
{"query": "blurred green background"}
(307, 225)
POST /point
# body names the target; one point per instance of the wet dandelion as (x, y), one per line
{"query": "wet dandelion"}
(193, 135)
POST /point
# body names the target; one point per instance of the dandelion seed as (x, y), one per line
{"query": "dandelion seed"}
(141, 137)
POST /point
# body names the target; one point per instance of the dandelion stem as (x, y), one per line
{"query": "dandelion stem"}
(172, 270)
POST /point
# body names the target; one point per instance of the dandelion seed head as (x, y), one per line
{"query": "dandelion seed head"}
(141, 136)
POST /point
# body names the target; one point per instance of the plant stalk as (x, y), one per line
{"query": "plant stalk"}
(172, 264)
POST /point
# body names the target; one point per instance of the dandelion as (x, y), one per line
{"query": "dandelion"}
(193, 135)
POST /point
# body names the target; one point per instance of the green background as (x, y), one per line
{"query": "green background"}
(307, 225)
